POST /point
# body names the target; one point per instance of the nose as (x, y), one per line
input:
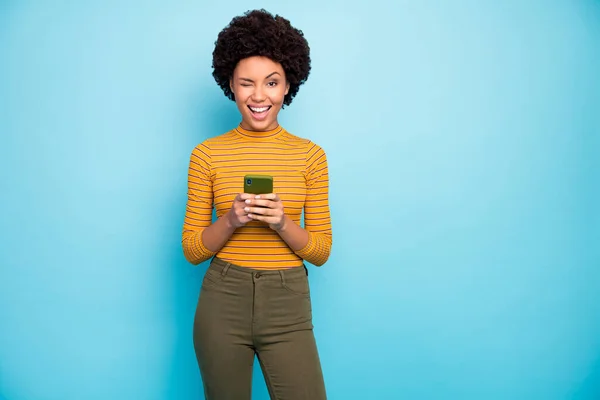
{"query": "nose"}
(258, 95)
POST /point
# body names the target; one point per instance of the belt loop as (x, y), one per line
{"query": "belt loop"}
(282, 276)
(225, 269)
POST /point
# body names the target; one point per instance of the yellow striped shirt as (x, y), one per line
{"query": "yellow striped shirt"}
(300, 178)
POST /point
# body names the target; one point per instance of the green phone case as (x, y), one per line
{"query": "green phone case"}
(258, 184)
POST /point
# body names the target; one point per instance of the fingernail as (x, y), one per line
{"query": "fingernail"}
(257, 197)
(247, 209)
(247, 201)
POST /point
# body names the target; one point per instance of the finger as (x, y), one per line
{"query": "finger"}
(244, 196)
(263, 203)
(263, 218)
(254, 201)
(268, 196)
(258, 210)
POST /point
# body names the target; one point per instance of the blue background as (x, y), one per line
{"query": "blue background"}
(463, 144)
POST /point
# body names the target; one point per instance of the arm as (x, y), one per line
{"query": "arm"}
(200, 239)
(293, 234)
(216, 236)
(313, 242)
(317, 218)
(198, 212)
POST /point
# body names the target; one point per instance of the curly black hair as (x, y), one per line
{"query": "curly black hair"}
(260, 33)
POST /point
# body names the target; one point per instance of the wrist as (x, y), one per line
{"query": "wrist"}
(284, 225)
(227, 218)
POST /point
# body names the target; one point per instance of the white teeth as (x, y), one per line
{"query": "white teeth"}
(259, 110)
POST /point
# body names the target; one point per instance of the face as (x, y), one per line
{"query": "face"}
(259, 86)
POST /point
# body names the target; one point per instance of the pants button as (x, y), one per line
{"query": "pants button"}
(257, 275)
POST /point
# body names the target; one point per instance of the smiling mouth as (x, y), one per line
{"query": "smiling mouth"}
(259, 110)
(259, 113)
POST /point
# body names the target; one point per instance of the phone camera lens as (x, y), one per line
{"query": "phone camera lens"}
(249, 181)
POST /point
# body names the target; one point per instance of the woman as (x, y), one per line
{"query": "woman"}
(255, 297)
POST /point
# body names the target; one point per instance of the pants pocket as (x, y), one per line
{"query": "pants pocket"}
(212, 278)
(297, 285)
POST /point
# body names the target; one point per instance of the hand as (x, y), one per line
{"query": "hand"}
(237, 217)
(267, 208)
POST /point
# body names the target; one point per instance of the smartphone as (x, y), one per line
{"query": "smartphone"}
(258, 184)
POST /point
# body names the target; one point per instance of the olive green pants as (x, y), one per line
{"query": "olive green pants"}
(243, 312)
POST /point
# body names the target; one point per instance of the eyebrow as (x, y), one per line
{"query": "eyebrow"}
(271, 74)
(268, 76)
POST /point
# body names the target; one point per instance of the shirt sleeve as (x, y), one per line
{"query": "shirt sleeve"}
(198, 211)
(317, 219)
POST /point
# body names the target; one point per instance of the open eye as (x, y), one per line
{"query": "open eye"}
(272, 84)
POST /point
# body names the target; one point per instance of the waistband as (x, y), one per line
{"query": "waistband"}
(225, 267)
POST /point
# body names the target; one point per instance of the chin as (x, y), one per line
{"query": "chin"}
(260, 125)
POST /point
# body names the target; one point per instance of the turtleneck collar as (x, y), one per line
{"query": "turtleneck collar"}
(259, 134)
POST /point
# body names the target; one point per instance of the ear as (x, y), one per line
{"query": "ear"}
(231, 84)
(287, 88)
